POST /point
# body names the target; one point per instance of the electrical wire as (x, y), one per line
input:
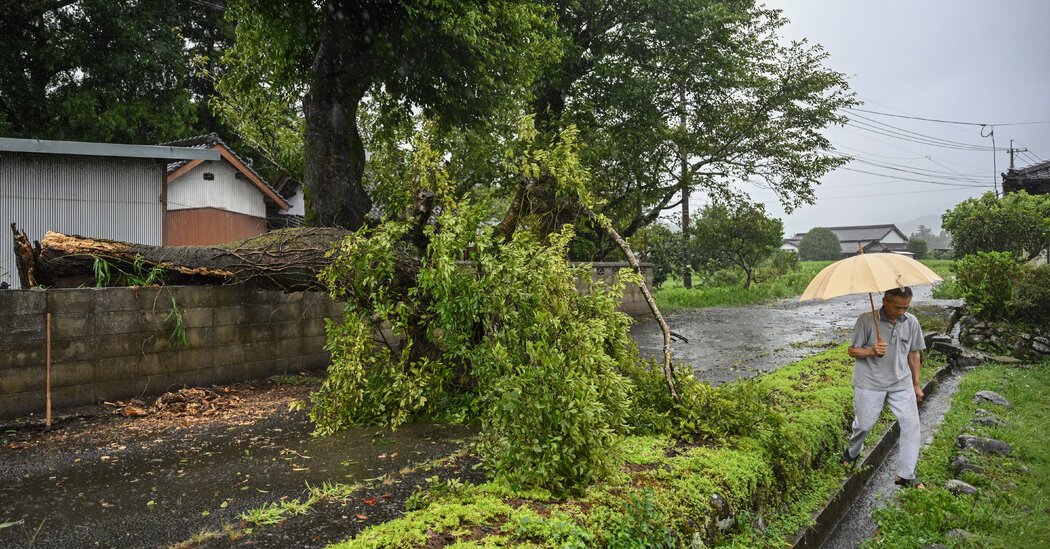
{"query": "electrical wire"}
(917, 135)
(949, 121)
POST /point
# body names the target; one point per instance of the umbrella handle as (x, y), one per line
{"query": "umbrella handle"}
(874, 319)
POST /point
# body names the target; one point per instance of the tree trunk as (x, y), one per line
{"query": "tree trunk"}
(683, 181)
(287, 260)
(334, 152)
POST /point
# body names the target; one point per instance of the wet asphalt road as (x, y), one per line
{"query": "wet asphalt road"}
(727, 343)
(157, 490)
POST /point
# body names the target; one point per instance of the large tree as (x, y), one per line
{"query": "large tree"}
(819, 244)
(672, 97)
(107, 70)
(455, 62)
(736, 234)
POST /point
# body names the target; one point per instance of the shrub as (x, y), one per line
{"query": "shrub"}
(1031, 296)
(819, 244)
(987, 281)
(1018, 223)
(780, 263)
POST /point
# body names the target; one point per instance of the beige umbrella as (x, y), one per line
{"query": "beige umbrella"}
(866, 273)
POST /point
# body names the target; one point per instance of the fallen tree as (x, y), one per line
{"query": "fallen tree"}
(287, 260)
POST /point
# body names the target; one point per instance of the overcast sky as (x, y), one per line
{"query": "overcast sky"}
(961, 60)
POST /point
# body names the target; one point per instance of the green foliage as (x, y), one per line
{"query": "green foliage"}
(710, 291)
(948, 289)
(177, 339)
(56, 85)
(1031, 296)
(987, 281)
(640, 525)
(819, 244)
(276, 512)
(651, 82)
(662, 247)
(662, 496)
(933, 241)
(1018, 223)
(736, 234)
(780, 263)
(1012, 490)
(918, 247)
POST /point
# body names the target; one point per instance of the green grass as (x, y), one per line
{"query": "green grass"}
(1012, 505)
(672, 296)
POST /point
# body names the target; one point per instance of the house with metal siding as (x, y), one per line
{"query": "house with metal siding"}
(92, 189)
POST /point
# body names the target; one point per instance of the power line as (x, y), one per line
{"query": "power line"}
(902, 178)
(954, 176)
(947, 144)
(917, 135)
(887, 194)
(949, 121)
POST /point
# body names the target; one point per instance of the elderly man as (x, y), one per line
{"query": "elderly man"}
(887, 372)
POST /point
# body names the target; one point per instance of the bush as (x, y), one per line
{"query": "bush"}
(819, 244)
(987, 281)
(777, 265)
(1031, 296)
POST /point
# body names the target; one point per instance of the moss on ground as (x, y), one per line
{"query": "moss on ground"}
(1013, 499)
(753, 491)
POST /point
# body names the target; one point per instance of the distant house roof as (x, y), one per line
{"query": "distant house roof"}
(169, 151)
(212, 141)
(1034, 179)
(868, 236)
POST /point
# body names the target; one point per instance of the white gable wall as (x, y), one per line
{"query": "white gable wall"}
(225, 192)
(297, 204)
(893, 237)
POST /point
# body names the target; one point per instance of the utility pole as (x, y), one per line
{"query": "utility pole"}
(1012, 150)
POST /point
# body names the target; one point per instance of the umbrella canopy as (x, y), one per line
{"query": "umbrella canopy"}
(867, 273)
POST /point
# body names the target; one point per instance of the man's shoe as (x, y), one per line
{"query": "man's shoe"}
(848, 461)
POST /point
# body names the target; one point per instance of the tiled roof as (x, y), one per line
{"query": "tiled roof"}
(859, 233)
(1035, 171)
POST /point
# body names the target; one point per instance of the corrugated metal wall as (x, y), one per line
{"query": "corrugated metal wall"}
(103, 197)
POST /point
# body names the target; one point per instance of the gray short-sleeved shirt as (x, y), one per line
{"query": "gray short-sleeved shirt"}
(889, 372)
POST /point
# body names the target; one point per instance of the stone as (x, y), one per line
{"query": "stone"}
(1041, 347)
(981, 445)
(966, 361)
(1024, 469)
(957, 487)
(993, 397)
(726, 523)
(959, 534)
(1005, 359)
(961, 464)
(989, 421)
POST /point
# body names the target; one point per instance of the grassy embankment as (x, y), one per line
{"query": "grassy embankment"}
(664, 494)
(671, 295)
(1012, 506)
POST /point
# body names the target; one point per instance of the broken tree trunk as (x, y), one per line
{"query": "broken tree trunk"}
(288, 260)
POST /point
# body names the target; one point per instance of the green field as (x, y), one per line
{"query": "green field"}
(671, 295)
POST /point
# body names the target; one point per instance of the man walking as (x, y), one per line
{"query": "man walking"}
(887, 372)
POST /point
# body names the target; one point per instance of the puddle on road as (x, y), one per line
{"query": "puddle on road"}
(153, 491)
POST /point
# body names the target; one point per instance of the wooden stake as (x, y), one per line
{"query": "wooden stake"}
(47, 383)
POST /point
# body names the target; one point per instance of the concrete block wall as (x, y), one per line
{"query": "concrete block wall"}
(115, 343)
(633, 302)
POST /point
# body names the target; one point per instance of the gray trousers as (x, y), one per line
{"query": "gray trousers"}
(867, 405)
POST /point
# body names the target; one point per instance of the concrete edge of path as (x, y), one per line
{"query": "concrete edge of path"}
(827, 518)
